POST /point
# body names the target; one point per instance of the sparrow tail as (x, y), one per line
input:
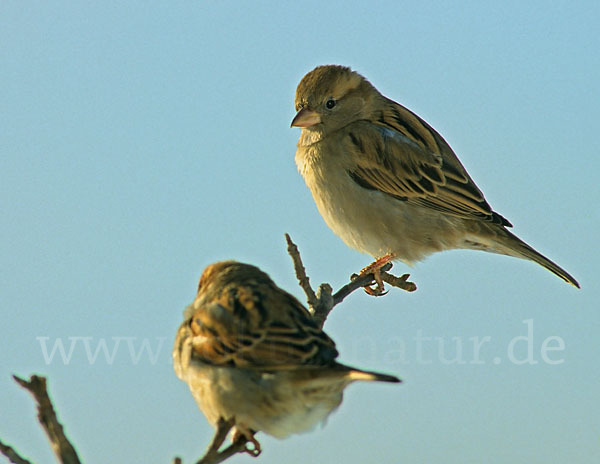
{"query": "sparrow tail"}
(356, 374)
(519, 249)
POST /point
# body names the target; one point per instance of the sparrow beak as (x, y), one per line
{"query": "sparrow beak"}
(306, 118)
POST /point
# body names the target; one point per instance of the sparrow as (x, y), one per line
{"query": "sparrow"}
(386, 182)
(252, 355)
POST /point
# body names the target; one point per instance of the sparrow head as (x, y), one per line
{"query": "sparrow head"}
(331, 97)
(223, 273)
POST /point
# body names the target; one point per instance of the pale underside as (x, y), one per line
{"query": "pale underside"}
(376, 223)
(260, 401)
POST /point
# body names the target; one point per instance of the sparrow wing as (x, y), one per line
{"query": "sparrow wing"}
(258, 325)
(402, 156)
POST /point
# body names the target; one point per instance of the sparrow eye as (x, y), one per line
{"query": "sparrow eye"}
(330, 103)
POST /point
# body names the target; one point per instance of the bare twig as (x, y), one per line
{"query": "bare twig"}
(238, 446)
(213, 456)
(399, 282)
(12, 455)
(324, 306)
(223, 428)
(292, 249)
(321, 303)
(62, 447)
(356, 282)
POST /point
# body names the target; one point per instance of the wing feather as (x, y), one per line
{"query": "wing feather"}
(402, 156)
(258, 325)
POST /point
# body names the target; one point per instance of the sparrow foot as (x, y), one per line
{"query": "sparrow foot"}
(247, 435)
(375, 269)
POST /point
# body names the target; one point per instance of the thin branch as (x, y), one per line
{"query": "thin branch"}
(356, 282)
(213, 456)
(399, 282)
(62, 447)
(321, 303)
(12, 454)
(223, 428)
(238, 446)
(303, 280)
(324, 306)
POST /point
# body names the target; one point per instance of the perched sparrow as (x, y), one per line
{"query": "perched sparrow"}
(251, 353)
(386, 182)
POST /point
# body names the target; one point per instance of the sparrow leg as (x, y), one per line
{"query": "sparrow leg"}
(375, 269)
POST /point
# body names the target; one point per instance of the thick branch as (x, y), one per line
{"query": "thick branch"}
(62, 447)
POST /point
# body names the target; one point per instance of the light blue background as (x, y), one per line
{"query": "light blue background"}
(141, 141)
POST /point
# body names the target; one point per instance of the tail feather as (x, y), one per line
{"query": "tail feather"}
(518, 248)
(357, 374)
(317, 376)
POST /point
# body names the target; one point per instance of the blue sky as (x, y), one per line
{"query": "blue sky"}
(142, 141)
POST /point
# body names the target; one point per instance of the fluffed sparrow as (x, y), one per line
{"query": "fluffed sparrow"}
(250, 352)
(386, 182)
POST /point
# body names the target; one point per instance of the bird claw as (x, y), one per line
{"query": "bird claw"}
(255, 450)
(248, 437)
(378, 264)
(375, 290)
(375, 269)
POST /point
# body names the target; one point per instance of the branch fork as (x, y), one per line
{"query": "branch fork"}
(322, 302)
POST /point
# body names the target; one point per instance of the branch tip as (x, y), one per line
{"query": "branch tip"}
(303, 279)
(62, 447)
